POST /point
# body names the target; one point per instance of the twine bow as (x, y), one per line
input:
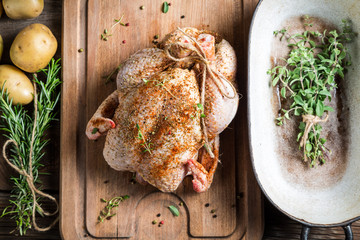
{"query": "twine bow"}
(216, 76)
(310, 121)
(30, 178)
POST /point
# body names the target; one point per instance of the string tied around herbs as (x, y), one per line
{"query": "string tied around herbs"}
(310, 121)
(216, 76)
(29, 176)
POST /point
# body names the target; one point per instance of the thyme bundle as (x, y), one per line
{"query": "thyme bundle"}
(308, 78)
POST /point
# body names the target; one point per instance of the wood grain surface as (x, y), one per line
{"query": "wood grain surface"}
(228, 194)
(277, 225)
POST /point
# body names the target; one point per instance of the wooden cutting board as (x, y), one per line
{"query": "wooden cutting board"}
(86, 177)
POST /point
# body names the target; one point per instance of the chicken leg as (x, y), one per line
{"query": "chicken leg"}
(204, 169)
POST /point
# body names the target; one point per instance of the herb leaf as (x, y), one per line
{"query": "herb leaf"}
(174, 210)
(165, 7)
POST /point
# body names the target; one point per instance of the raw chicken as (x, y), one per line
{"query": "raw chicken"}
(163, 121)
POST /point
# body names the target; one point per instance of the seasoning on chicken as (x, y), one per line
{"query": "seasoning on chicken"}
(163, 121)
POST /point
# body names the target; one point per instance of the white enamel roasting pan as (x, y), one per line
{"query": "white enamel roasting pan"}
(327, 195)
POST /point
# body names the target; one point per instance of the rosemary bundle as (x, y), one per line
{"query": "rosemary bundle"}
(26, 132)
(307, 77)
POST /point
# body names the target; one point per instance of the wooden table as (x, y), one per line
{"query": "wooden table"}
(277, 225)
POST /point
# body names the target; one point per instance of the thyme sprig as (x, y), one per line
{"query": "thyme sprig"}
(107, 212)
(159, 83)
(145, 144)
(17, 124)
(108, 33)
(199, 110)
(307, 78)
(109, 78)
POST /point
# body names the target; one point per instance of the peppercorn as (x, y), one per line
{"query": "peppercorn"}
(182, 16)
(158, 215)
(142, 7)
(207, 204)
(154, 222)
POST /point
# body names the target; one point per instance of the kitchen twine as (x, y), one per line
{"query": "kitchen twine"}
(30, 178)
(310, 121)
(217, 77)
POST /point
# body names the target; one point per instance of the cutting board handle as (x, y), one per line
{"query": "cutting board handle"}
(305, 231)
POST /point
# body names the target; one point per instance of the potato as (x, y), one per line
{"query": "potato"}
(1, 46)
(23, 9)
(33, 48)
(17, 84)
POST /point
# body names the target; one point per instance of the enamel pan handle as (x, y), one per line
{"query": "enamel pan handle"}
(347, 229)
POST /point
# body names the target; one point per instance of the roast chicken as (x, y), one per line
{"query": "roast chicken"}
(171, 103)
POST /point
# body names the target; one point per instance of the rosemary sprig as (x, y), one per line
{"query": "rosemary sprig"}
(145, 144)
(112, 204)
(308, 78)
(17, 124)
